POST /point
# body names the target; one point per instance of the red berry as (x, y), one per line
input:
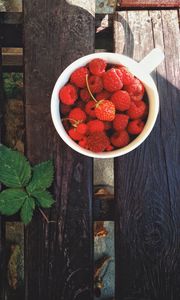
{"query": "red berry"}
(76, 136)
(105, 110)
(135, 126)
(121, 100)
(120, 122)
(97, 141)
(82, 128)
(136, 110)
(109, 148)
(84, 94)
(95, 126)
(135, 90)
(97, 66)
(90, 108)
(65, 109)
(77, 114)
(127, 77)
(78, 77)
(120, 139)
(83, 142)
(103, 95)
(68, 94)
(95, 84)
(112, 81)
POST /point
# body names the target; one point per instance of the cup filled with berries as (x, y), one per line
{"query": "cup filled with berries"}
(105, 105)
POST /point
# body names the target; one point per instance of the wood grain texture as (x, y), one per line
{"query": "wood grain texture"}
(2, 232)
(147, 181)
(149, 3)
(58, 258)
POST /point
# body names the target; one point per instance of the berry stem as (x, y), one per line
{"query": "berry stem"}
(87, 83)
(45, 217)
(75, 121)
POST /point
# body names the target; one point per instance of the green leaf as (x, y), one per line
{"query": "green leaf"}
(44, 198)
(27, 210)
(42, 177)
(15, 170)
(11, 201)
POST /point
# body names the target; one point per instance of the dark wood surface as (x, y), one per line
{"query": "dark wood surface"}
(58, 260)
(2, 233)
(149, 3)
(147, 181)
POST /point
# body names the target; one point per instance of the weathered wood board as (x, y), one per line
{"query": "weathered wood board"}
(149, 3)
(58, 259)
(147, 181)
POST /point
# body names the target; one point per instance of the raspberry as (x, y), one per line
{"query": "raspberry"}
(77, 114)
(109, 148)
(120, 122)
(127, 77)
(112, 81)
(103, 95)
(135, 90)
(68, 94)
(95, 84)
(136, 110)
(105, 110)
(83, 142)
(90, 109)
(97, 66)
(97, 141)
(95, 126)
(84, 94)
(76, 136)
(82, 128)
(121, 100)
(65, 109)
(120, 139)
(78, 77)
(135, 126)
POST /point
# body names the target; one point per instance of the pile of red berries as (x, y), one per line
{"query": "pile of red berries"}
(103, 106)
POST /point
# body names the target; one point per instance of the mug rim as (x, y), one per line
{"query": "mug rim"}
(136, 69)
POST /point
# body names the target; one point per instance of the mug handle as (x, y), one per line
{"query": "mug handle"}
(152, 60)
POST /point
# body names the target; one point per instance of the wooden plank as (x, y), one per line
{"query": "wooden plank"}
(58, 257)
(11, 18)
(147, 181)
(2, 232)
(11, 35)
(148, 3)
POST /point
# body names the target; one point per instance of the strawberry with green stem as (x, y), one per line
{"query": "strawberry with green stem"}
(104, 109)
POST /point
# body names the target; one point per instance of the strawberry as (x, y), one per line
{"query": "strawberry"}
(105, 110)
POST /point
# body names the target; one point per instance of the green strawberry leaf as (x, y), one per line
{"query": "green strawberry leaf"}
(27, 210)
(42, 177)
(15, 170)
(11, 200)
(44, 198)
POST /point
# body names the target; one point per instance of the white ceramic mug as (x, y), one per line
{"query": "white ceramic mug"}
(141, 70)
